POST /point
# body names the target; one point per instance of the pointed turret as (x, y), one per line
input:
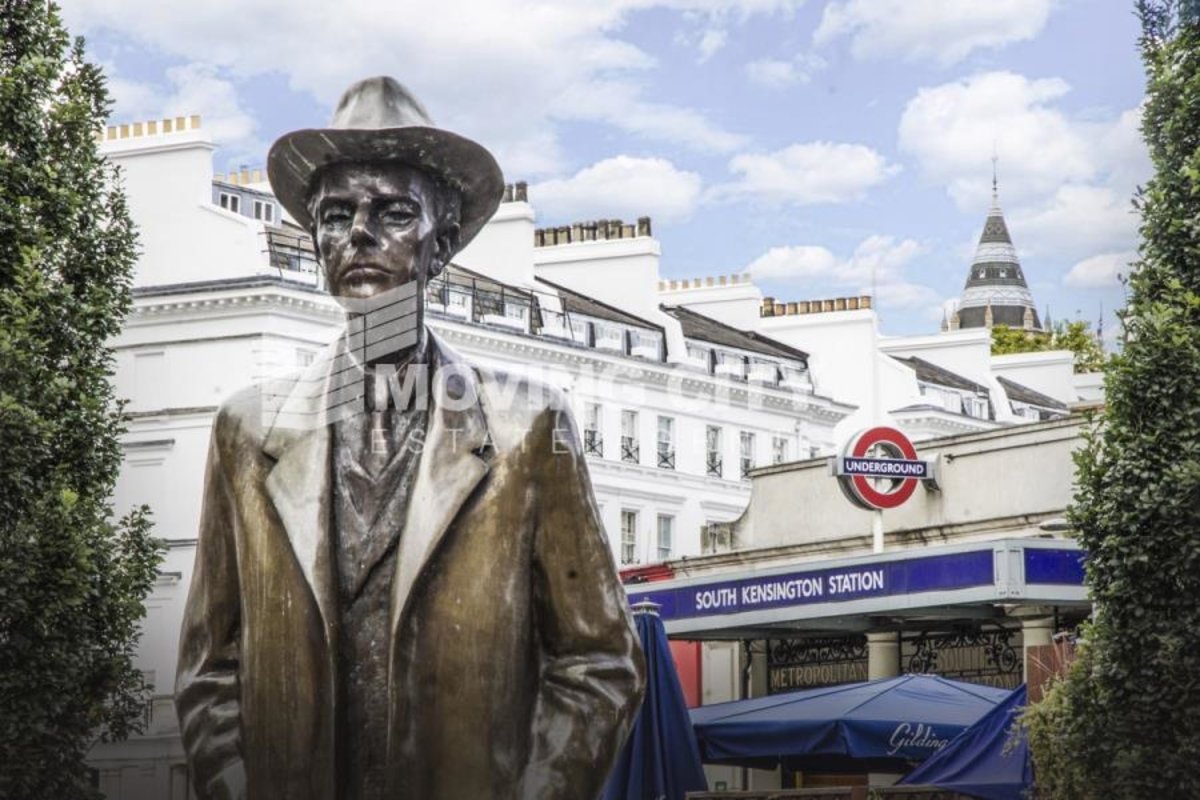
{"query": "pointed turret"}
(996, 292)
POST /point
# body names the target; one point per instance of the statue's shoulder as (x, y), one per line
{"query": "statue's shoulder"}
(250, 410)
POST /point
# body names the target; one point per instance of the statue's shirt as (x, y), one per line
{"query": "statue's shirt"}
(375, 457)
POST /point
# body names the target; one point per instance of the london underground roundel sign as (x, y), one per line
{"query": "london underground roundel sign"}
(879, 468)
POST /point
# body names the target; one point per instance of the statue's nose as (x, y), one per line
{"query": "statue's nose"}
(361, 232)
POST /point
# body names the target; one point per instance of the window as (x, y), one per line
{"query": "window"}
(629, 521)
(779, 449)
(712, 450)
(593, 441)
(699, 357)
(731, 366)
(976, 407)
(304, 357)
(666, 443)
(609, 337)
(666, 536)
(645, 344)
(629, 438)
(747, 448)
(264, 210)
(231, 202)
(581, 330)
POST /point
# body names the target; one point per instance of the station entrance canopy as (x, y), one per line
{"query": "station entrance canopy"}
(970, 581)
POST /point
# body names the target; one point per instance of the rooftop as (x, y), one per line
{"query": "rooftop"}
(706, 329)
(932, 373)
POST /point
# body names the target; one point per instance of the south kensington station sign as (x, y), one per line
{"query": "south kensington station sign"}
(879, 468)
(995, 571)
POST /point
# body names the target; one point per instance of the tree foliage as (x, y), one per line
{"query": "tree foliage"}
(1125, 723)
(72, 578)
(1074, 336)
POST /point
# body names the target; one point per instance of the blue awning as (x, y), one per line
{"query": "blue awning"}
(980, 762)
(891, 722)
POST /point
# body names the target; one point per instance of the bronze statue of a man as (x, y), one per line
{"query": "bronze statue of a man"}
(399, 594)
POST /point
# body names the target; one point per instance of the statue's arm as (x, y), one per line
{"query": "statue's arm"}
(593, 673)
(207, 695)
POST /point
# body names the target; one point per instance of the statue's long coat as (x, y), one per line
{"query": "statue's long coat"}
(514, 670)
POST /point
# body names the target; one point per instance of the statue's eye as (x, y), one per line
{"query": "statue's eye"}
(336, 216)
(398, 214)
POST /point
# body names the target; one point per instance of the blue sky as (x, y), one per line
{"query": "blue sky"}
(810, 143)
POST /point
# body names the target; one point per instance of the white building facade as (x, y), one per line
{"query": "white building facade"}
(227, 293)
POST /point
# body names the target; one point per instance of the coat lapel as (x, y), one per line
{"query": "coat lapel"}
(299, 483)
(449, 470)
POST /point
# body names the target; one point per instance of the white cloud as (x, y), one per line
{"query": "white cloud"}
(807, 174)
(945, 31)
(798, 261)
(502, 72)
(878, 259)
(622, 187)
(902, 294)
(953, 129)
(195, 88)
(1099, 272)
(619, 104)
(1076, 221)
(779, 73)
(711, 41)
(1066, 181)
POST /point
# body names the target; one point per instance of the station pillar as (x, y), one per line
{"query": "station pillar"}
(1035, 632)
(883, 655)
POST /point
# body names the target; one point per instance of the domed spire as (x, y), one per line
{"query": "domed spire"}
(996, 282)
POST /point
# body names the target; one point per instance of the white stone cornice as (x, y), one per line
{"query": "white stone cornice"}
(645, 372)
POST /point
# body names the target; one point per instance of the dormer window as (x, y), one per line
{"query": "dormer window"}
(231, 202)
(264, 210)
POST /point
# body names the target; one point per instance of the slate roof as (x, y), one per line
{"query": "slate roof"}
(576, 303)
(457, 275)
(706, 329)
(1023, 394)
(932, 373)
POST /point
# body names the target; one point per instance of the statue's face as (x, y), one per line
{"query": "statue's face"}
(376, 227)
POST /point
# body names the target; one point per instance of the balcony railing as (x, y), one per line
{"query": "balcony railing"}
(292, 255)
(747, 465)
(593, 443)
(713, 466)
(629, 450)
(666, 458)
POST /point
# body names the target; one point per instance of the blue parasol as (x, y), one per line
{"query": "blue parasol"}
(661, 759)
(883, 724)
(980, 762)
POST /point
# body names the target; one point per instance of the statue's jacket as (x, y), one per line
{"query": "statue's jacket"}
(514, 668)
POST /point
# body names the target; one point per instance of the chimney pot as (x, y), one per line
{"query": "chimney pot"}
(522, 192)
(643, 226)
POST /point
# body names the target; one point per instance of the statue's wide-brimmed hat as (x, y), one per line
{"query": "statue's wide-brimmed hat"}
(377, 119)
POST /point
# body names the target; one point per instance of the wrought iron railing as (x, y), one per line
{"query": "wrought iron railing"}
(713, 466)
(666, 458)
(291, 253)
(593, 443)
(629, 450)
